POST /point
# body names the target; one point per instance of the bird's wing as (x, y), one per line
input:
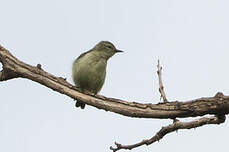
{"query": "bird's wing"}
(83, 54)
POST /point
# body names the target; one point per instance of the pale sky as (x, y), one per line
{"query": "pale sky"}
(189, 37)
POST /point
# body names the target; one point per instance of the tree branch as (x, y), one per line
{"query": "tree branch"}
(176, 123)
(217, 105)
(171, 128)
(161, 87)
(13, 68)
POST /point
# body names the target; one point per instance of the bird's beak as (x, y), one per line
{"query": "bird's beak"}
(118, 51)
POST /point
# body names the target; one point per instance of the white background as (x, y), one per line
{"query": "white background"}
(189, 37)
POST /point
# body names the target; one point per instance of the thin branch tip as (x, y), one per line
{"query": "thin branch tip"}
(218, 106)
(161, 87)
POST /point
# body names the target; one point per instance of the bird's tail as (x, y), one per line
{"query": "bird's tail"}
(80, 104)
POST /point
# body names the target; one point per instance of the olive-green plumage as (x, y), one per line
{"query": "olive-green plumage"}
(89, 69)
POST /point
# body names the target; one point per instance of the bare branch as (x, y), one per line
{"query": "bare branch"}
(161, 87)
(7, 74)
(213, 105)
(171, 128)
(217, 105)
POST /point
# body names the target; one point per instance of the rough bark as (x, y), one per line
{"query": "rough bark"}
(217, 105)
(14, 68)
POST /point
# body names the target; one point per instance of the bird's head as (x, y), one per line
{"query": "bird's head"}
(106, 49)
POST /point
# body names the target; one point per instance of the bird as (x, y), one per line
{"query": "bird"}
(89, 69)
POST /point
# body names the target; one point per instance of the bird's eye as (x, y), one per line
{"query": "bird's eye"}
(110, 47)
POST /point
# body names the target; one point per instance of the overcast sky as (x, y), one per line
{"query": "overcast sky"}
(189, 37)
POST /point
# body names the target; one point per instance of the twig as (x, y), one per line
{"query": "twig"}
(161, 87)
(217, 105)
(171, 128)
(13, 68)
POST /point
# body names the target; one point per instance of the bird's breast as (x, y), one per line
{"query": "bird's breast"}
(89, 74)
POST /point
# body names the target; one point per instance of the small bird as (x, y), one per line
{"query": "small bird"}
(89, 69)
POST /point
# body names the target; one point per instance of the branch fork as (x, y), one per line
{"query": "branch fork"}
(218, 106)
(176, 125)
